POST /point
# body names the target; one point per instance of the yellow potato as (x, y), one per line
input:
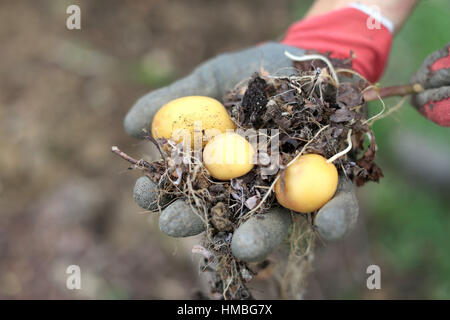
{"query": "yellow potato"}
(309, 183)
(227, 156)
(176, 119)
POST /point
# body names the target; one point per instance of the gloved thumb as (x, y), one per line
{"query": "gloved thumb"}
(138, 121)
(338, 216)
(213, 79)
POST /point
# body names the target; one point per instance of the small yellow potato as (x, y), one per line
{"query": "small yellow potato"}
(178, 118)
(309, 183)
(228, 155)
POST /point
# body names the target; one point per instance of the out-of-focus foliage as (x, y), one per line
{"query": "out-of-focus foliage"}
(408, 222)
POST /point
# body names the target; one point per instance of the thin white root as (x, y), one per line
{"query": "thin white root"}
(266, 195)
(313, 57)
(307, 144)
(300, 260)
(373, 118)
(345, 70)
(202, 251)
(343, 152)
(391, 110)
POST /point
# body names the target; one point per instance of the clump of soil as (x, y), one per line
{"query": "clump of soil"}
(313, 112)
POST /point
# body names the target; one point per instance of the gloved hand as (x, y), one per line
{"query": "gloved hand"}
(434, 76)
(255, 238)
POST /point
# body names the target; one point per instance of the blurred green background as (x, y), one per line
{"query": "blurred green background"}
(409, 221)
(65, 199)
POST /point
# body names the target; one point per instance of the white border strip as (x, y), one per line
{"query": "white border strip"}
(371, 11)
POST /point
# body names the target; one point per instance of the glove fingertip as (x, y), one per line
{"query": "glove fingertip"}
(145, 193)
(256, 238)
(138, 119)
(345, 185)
(338, 216)
(180, 220)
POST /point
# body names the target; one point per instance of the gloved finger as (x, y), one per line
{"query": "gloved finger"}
(338, 216)
(434, 104)
(146, 195)
(176, 220)
(435, 70)
(257, 237)
(233, 68)
(180, 220)
(138, 120)
(213, 79)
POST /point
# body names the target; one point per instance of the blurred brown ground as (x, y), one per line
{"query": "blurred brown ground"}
(64, 198)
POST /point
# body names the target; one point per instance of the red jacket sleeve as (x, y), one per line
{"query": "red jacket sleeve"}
(341, 31)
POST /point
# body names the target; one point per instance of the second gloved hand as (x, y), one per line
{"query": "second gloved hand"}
(434, 76)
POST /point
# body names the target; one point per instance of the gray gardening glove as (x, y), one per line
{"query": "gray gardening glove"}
(434, 76)
(256, 238)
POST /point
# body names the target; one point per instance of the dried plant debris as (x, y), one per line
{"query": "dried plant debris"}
(313, 114)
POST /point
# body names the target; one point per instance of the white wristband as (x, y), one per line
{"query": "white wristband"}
(374, 12)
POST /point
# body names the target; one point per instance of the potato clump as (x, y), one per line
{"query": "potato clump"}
(177, 119)
(227, 156)
(308, 184)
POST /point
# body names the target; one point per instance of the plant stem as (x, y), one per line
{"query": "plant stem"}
(399, 90)
(138, 163)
